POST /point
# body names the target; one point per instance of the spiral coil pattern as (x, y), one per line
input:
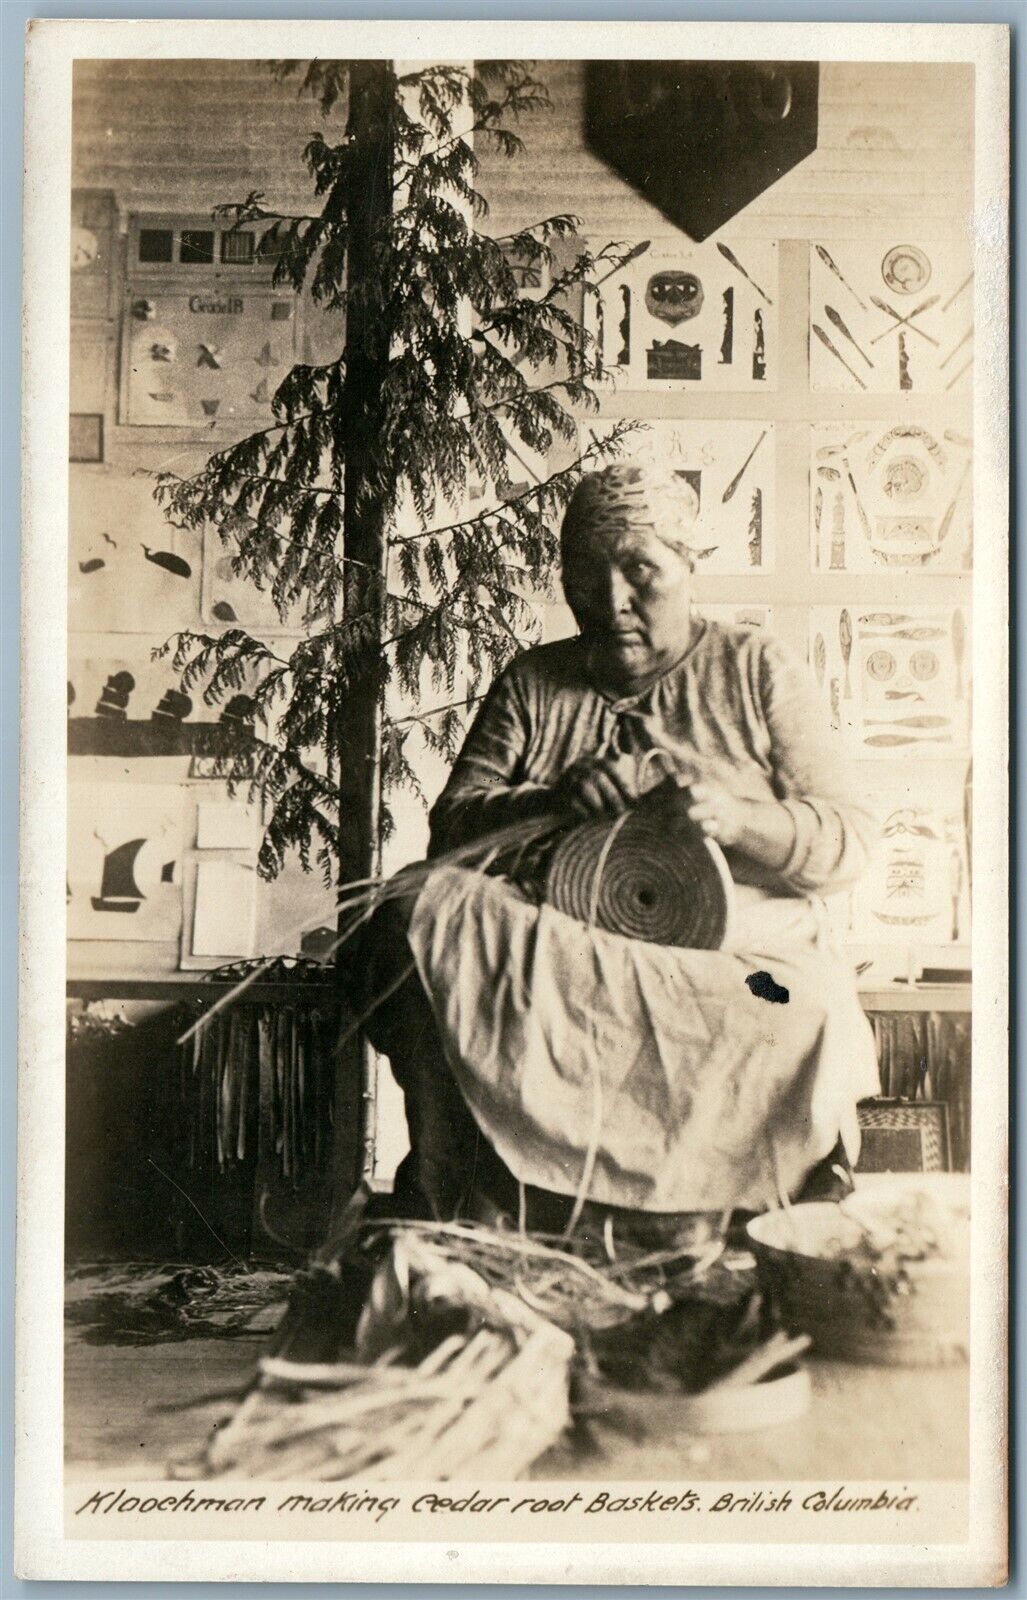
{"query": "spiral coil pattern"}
(655, 879)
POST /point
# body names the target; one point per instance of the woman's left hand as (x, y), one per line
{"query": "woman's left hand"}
(762, 830)
(720, 814)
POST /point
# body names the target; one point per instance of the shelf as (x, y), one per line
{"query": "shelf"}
(186, 986)
(917, 997)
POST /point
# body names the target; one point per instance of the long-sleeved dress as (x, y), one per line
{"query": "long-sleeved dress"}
(735, 707)
(657, 1073)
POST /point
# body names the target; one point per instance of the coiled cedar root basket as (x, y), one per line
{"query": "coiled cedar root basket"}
(651, 874)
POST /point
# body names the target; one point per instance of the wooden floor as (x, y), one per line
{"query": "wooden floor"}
(864, 1423)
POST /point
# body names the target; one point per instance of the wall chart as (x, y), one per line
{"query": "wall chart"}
(731, 466)
(230, 599)
(890, 496)
(203, 354)
(894, 680)
(917, 886)
(679, 317)
(525, 467)
(889, 317)
(224, 911)
(127, 687)
(125, 561)
(123, 702)
(125, 844)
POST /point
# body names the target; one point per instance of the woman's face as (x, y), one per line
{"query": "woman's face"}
(630, 594)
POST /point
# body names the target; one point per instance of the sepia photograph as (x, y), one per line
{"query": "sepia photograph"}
(517, 1076)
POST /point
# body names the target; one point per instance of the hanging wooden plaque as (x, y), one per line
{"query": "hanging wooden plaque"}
(701, 139)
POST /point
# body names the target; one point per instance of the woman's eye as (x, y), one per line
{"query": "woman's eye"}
(638, 571)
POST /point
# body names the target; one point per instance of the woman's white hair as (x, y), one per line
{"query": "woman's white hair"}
(630, 496)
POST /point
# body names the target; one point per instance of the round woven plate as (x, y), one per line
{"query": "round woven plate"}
(658, 878)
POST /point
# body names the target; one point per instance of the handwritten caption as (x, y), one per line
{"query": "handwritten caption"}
(601, 1503)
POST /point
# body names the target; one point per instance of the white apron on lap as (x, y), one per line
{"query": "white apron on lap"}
(698, 1094)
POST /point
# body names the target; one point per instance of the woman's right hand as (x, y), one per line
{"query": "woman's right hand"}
(592, 787)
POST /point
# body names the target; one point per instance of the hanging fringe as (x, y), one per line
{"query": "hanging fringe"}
(261, 1074)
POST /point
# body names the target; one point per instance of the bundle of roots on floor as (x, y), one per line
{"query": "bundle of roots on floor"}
(450, 1377)
(439, 1351)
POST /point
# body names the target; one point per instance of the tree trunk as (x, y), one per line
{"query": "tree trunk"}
(364, 532)
(369, 208)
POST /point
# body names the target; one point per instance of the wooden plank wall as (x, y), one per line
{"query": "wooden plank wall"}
(896, 141)
(895, 145)
(185, 135)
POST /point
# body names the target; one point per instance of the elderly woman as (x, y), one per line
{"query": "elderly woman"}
(543, 1055)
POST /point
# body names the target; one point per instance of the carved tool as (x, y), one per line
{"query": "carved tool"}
(906, 321)
(957, 347)
(909, 430)
(838, 533)
(958, 647)
(624, 327)
(836, 710)
(879, 666)
(902, 694)
(955, 888)
(819, 659)
(739, 475)
(953, 381)
(837, 320)
(827, 451)
(624, 261)
(832, 267)
(756, 529)
(905, 269)
(855, 492)
(818, 512)
(884, 619)
(528, 468)
(905, 376)
(903, 922)
(829, 474)
(600, 338)
(908, 722)
(845, 640)
(918, 634)
(884, 741)
(954, 296)
(759, 348)
(826, 342)
(950, 509)
(727, 344)
(730, 256)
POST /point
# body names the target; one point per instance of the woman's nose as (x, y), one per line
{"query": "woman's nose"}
(617, 593)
